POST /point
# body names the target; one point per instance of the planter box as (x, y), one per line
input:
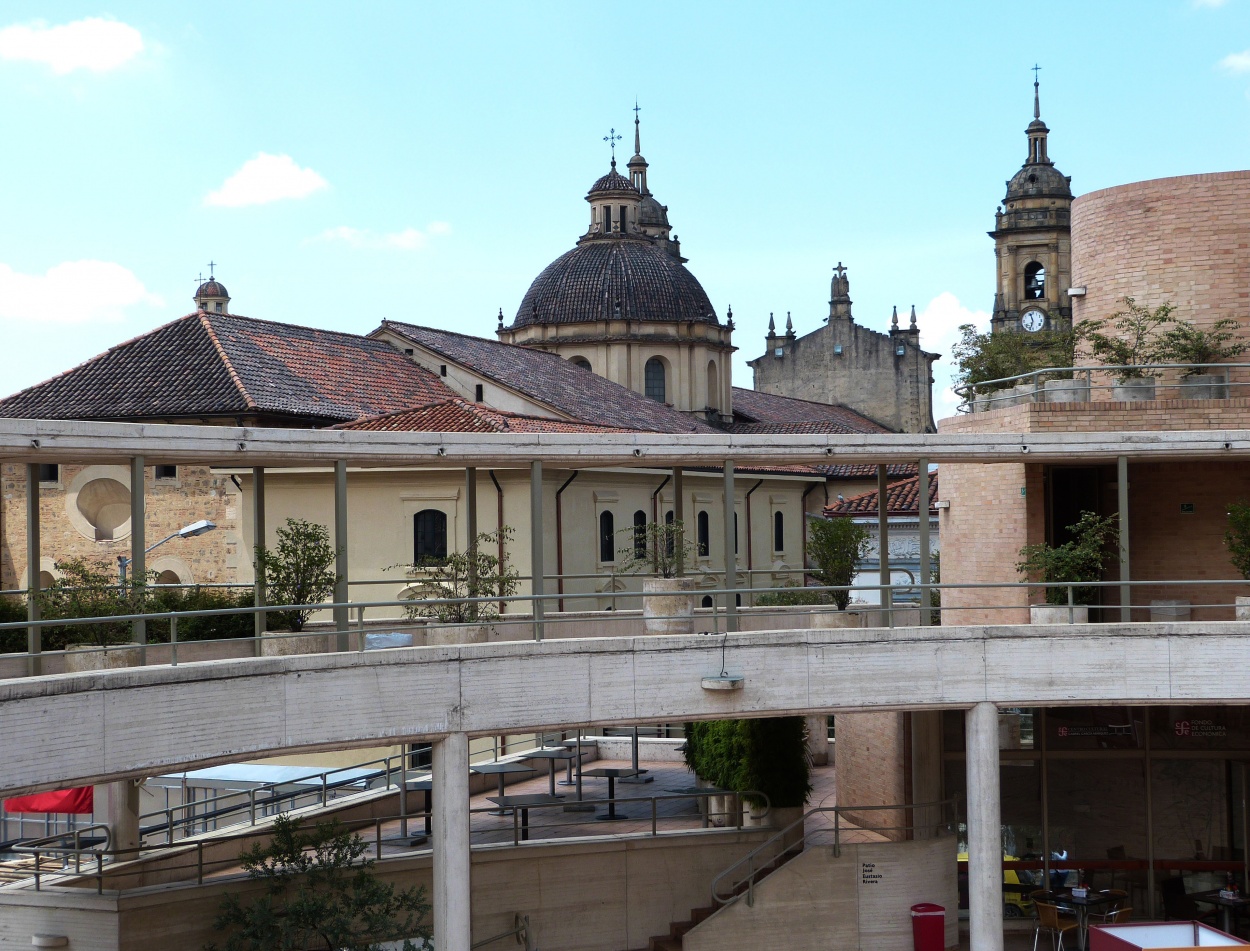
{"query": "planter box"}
(1169, 610)
(1137, 390)
(443, 634)
(85, 658)
(1067, 391)
(1204, 386)
(820, 620)
(668, 605)
(289, 644)
(1058, 614)
(1242, 608)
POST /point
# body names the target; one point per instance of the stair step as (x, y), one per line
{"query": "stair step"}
(664, 943)
(678, 928)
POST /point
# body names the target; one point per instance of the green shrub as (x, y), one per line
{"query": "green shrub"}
(1080, 559)
(89, 589)
(301, 570)
(836, 546)
(792, 594)
(1139, 338)
(1237, 538)
(12, 609)
(200, 599)
(995, 356)
(767, 755)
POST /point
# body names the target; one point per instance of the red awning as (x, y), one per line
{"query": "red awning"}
(79, 800)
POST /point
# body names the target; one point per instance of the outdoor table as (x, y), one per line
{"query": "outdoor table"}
(1092, 899)
(426, 786)
(552, 754)
(523, 803)
(500, 770)
(1227, 906)
(611, 773)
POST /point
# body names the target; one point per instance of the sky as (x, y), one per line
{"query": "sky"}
(346, 163)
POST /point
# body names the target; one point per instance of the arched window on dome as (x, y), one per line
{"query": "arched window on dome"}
(654, 379)
(713, 386)
(1034, 281)
(580, 362)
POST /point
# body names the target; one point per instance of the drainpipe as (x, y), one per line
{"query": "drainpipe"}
(498, 523)
(747, 514)
(560, 540)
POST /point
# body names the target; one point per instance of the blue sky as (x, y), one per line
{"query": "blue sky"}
(347, 163)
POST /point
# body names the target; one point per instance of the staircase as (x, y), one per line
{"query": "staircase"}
(676, 930)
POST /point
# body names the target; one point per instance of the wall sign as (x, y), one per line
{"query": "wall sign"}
(868, 874)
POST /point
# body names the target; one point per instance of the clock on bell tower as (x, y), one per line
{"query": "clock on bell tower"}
(1033, 241)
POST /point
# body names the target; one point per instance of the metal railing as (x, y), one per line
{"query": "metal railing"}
(795, 837)
(1081, 383)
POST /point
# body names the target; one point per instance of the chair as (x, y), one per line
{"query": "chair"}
(1120, 916)
(1107, 914)
(1049, 920)
(1178, 906)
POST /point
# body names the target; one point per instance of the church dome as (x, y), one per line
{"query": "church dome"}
(651, 213)
(1039, 181)
(590, 282)
(614, 181)
(212, 288)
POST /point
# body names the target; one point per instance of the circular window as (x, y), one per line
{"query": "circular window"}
(105, 504)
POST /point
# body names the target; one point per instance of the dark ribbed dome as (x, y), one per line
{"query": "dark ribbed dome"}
(614, 181)
(651, 212)
(1039, 181)
(588, 282)
(212, 288)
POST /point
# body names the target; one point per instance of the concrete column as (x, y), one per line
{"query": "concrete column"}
(1126, 575)
(341, 614)
(926, 569)
(258, 539)
(123, 807)
(985, 849)
(926, 771)
(34, 635)
(138, 540)
(679, 513)
(731, 556)
(883, 545)
(537, 582)
(470, 521)
(452, 895)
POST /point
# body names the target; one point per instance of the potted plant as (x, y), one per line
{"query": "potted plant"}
(299, 571)
(90, 589)
(668, 597)
(835, 548)
(445, 584)
(1185, 343)
(1070, 567)
(987, 362)
(1237, 539)
(1134, 345)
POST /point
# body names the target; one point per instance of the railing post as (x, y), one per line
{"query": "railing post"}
(258, 540)
(1126, 575)
(199, 863)
(138, 542)
(731, 550)
(883, 544)
(837, 833)
(537, 540)
(251, 796)
(654, 827)
(341, 592)
(173, 641)
(1071, 606)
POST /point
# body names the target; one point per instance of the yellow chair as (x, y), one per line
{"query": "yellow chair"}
(1049, 920)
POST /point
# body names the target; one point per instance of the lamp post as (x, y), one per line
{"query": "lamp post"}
(187, 531)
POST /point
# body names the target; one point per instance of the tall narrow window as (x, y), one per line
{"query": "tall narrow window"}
(653, 377)
(623, 217)
(49, 472)
(703, 535)
(1034, 282)
(713, 386)
(640, 534)
(430, 536)
(779, 532)
(607, 537)
(607, 218)
(477, 393)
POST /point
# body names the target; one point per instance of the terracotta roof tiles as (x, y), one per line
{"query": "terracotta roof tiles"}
(902, 498)
(460, 416)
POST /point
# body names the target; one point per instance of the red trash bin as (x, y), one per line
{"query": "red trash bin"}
(928, 927)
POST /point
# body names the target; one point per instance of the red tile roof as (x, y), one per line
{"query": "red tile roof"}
(902, 498)
(553, 381)
(756, 412)
(461, 416)
(867, 470)
(212, 365)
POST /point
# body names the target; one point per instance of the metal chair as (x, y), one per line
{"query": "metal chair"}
(1107, 914)
(1049, 920)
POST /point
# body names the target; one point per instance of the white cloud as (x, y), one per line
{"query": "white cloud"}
(409, 239)
(1236, 63)
(263, 179)
(74, 292)
(939, 324)
(95, 44)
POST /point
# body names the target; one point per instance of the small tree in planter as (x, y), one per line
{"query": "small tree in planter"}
(1074, 563)
(836, 546)
(1185, 343)
(981, 357)
(1135, 344)
(89, 589)
(476, 573)
(1237, 539)
(668, 600)
(301, 570)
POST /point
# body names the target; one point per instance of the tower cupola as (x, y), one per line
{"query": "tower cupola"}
(211, 296)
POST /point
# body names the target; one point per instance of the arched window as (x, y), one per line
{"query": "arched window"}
(607, 537)
(429, 536)
(168, 577)
(640, 534)
(713, 386)
(707, 601)
(703, 535)
(580, 362)
(779, 532)
(653, 375)
(1034, 281)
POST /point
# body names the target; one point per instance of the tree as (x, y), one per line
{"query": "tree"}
(767, 755)
(476, 573)
(1237, 538)
(320, 892)
(1185, 343)
(86, 589)
(300, 570)
(1080, 559)
(980, 357)
(837, 546)
(1137, 341)
(666, 549)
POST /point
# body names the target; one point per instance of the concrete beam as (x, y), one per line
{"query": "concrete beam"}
(78, 728)
(73, 441)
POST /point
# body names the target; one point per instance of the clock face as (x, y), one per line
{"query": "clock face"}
(1032, 320)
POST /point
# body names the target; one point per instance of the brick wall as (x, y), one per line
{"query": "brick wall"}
(869, 763)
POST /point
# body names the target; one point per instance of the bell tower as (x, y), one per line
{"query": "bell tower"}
(1033, 241)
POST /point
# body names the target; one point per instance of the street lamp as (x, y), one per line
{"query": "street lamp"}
(187, 531)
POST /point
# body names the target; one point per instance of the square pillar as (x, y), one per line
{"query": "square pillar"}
(34, 634)
(538, 584)
(341, 615)
(258, 539)
(731, 554)
(470, 518)
(926, 568)
(138, 540)
(985, 837)
(883, 545)
(452, 895)
(679, 515)
(1126, 574)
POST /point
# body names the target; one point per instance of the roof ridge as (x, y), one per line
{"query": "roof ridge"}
(206, 323)
(797, 399)
(456, 333)
(283, 323)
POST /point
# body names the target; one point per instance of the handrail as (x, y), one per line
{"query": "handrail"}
(39, 847)
(768, 846)
(520, 930)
